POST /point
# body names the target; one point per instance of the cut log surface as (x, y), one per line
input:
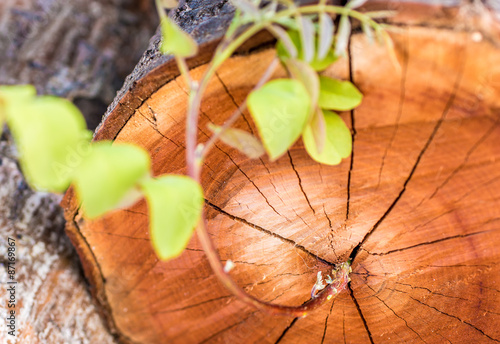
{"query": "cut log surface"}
(416, 206)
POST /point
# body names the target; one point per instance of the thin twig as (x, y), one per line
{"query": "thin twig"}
(236, 114)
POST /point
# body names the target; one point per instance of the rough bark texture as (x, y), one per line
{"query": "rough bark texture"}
(78, 49)
(415, 207)
(72, 49)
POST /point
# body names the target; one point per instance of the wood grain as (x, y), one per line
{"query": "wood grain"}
(415, 207)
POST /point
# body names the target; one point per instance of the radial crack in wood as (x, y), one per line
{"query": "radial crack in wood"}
(416, 206)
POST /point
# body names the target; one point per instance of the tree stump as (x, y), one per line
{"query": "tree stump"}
(415, 207)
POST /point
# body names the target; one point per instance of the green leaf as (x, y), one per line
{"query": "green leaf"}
(318, 127)
(110, 173)
(280, 110)
(175, 204)
(316, 63)
(241, 140)
(52, 139)
(12, 96)
(338, 144)
(338, 95)
(175, 41)
(325, 36)
(304, 73)
(343, 34)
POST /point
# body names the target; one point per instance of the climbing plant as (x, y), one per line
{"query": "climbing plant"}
(55, 148)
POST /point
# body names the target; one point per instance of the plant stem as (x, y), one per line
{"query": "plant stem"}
(340, 280)
(232, 119)
(194, 160)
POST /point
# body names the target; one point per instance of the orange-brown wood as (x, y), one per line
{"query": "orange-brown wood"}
(416, 206)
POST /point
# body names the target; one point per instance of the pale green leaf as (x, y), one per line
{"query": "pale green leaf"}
(52, 139)
(316, 63)
(325, 38)
(304, 73)
(307, 38)
(175, 41)
(343, 34)
(175, 204)
(338, 95)
(12, 96)
(280, 110)
(241, 140)
(109, 176)
(318, 127)
(338, 144)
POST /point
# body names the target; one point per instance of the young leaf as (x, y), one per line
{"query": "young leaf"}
(286, 47)
(280, 110)
(343, 34)
(318, 128)
(175, 204)
(338, 95)
(307, 38)
(246, 7)
(338, 144)
(325, 39)
(16, 94)
(316, 63)
(175, 41)
(241, 140)
(304, 73)
(51, 136)
(110, 173)
(368, 31)
(355, 3)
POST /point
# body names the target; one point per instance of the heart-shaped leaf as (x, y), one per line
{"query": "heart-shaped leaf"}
(175, 204)
(241, 140)
(52, 139)
(280, 110)
(338, 95)
(11, 96)
(109, 174)
(338, 144)
(175, 41)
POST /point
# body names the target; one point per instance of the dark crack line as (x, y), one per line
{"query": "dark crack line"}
(466, 159)
(253, 183)
(268, 232)
(286, 330)
(358, 308)
(353, 130)
(331, 235)
(300, 182)
(154, 126)
(123, 236)
(448, 105)
(402, 98)
(234, 101)
(398, 316)
(102, 298)
(194, 305)
(227, 328)
(326, 324)
(459, 236)
(429, 291)
(457, 318)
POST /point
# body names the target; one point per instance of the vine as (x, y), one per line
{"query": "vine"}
(55, 150)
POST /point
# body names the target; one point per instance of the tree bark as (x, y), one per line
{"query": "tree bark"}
(72, 49)
(415, 207)
(81, 50)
